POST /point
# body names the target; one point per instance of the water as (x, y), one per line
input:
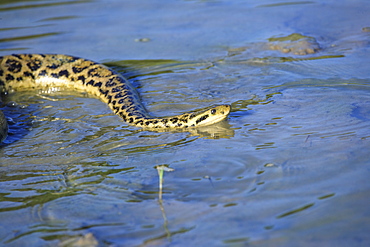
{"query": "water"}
(289, 167)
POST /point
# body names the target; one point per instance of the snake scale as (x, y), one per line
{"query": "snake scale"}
(34, 71)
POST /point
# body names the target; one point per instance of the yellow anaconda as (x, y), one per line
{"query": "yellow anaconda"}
(21, 71)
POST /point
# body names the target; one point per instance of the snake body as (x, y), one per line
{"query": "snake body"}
(31, 71)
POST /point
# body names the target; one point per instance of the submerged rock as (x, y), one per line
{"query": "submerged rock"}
(295, 43)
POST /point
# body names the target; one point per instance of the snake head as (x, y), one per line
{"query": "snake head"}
(209, 116)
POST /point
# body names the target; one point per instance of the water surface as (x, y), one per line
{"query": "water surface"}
(289, 167)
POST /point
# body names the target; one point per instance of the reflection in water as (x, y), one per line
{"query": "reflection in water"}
(242, 105)
(294, 211)
(161, 169)
(70, 181)
(32, 30)
(279, 171)
(215, 131)
(17, 6)
(34, 36)
(38, 189)
(84, 240)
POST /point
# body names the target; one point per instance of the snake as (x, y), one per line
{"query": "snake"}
(39, 71)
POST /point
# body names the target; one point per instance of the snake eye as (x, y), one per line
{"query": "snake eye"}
(213, 111)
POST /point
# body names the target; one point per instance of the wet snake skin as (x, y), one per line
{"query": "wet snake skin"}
(33, 71)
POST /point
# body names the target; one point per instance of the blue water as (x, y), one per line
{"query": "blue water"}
(289, 167)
